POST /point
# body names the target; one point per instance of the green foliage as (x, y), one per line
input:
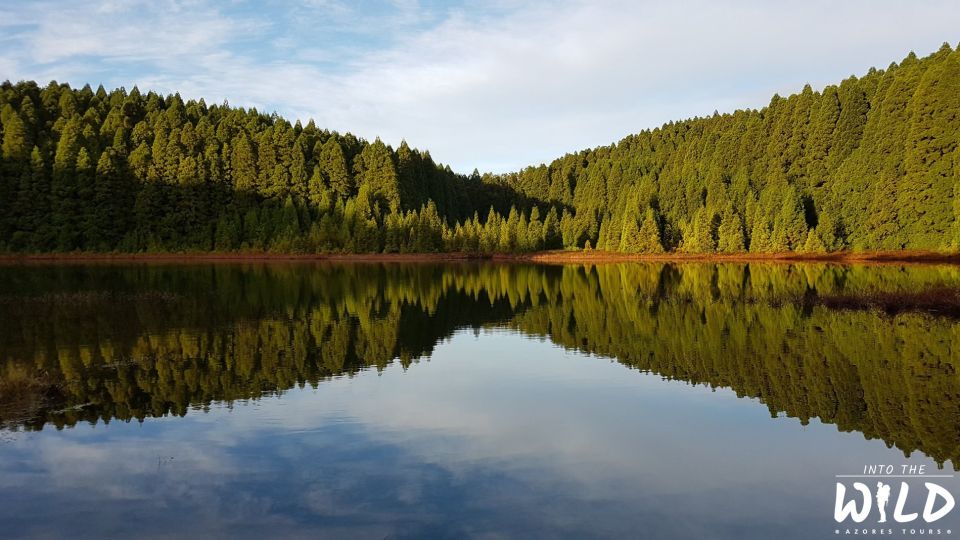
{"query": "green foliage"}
(730, 233)
(813, 244)
(133, 172)
(760, 240)
(829, 233)
(877, 154)
(332, 169)
(789, 225)
(700, 235)
(642, 239)
(871, 163)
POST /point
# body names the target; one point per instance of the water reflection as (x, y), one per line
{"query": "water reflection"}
(449, 449)
(286, 400)
(97, 343)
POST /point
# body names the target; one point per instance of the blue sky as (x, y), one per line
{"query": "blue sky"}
(495, 85)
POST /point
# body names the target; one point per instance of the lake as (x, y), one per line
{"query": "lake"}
(315, 400)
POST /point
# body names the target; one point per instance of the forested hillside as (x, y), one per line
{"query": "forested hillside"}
(97, 171)
(871, 163)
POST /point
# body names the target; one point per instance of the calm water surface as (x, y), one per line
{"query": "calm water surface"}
(472, 400)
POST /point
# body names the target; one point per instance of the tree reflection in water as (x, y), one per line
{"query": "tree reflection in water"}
(91, 343)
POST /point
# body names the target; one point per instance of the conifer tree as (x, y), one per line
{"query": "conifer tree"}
(789, 226)
(630, 241)
(333, 166)
(760, 241)
(602, 243)
(551, 230)
(535, 238)
(649, 234)
(923, 205)
(700, 235)
(827, 232)
(374, 169)
(730, 233)
(813, 243)
(244, 164)
(32, 207)
(103, 231)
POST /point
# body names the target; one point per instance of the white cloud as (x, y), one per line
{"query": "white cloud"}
(490, 87)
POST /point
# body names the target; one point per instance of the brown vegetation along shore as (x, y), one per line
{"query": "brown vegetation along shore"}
(942, 301)
(242, 257)
(547, 257)
(844, 257)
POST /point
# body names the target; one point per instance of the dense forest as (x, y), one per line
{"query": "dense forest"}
(102, 343)
(870, 163)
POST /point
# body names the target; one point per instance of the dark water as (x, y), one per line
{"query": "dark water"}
(475, 400)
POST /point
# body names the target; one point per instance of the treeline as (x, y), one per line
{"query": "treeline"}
(115, 342)
(122, 171)
(871, 163)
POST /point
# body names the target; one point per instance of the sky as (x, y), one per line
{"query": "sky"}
(495, 85)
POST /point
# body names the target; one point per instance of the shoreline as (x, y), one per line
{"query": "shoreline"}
(840, 257)
(540, 257)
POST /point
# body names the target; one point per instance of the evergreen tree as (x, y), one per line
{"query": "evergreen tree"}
(602, 239)
(535, 238)
(813, 243)
(244, 164)
(375, 169)
(630, 241)
(730, 233)
(827, 232)
(649, 236)
(103, 232)
(332, 165)
(551, 230)
(760, 241)
(700, 235)
(789, 226)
